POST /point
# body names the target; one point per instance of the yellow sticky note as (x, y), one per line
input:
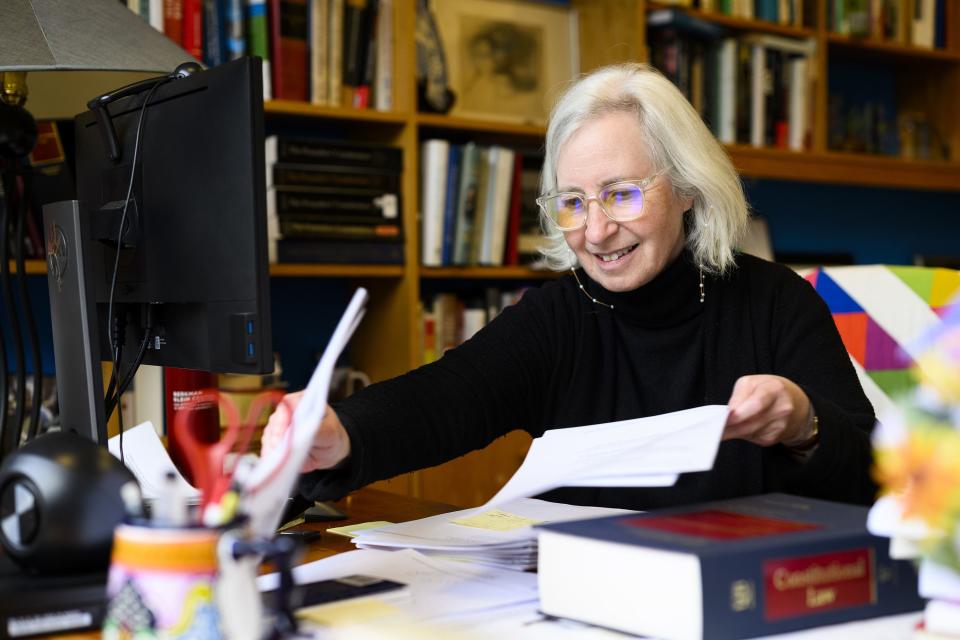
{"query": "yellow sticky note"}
(496, 520)
(351, 530)
(348, 612)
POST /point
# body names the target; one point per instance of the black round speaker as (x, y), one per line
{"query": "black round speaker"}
(61, 496)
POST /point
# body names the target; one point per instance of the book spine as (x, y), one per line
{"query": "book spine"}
(383, 72)
(319, 204)
(339, 252)
(466, 203)
(815, 584)
(258, 41)
(511, 256)
(298, 229)
(354, 18)
(193, 28)
(235, 42)
(173, 20)
(292, 175)
(433, 195)
(321, 152)
(214, 44)
(368, 44)
(289, 22)
(319, 51)
(450, 205)
(335, 53)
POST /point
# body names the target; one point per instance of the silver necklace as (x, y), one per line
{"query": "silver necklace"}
(610, 306)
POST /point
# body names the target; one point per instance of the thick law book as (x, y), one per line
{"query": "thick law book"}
(323, 177)
(333, 153)
(339, 251)
(736, 568)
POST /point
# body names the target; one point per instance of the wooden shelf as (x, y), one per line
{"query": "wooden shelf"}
(885, 50)
(757, 26)
(845, 168)
(486, 273)
(305, 109)
(291, 270)
(451, 123)
(336, 270)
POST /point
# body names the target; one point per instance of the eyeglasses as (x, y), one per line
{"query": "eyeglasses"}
(621, 202)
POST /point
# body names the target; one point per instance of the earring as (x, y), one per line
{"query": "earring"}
(702, 295)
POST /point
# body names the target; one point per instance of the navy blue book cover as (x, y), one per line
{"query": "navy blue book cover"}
(772, 563)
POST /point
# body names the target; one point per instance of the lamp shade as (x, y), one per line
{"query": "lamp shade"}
(83, 47)
(93, 35)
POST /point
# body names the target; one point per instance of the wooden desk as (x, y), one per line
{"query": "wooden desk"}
(367, 505)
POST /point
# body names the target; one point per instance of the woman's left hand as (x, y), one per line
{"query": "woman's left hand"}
(767, 410)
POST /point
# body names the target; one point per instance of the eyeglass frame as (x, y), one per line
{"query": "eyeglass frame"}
(642, 183)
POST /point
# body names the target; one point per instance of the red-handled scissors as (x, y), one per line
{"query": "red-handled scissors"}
(211, 463)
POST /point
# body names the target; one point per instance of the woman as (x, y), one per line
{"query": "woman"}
(658, 314)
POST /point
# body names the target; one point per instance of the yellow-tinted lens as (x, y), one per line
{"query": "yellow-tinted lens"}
(566, 210)
(623, 201)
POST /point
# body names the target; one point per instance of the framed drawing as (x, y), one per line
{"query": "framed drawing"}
(508, 59)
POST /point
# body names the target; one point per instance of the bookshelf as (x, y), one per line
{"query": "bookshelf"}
(388, 342)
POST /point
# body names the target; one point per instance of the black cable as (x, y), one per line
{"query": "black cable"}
(26, 308)
(118, 337)
(123, 220)
(11, 430)
(114, 400)
(4, 266)
(20, 360)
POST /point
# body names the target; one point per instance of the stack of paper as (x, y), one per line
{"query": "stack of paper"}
(502, 538)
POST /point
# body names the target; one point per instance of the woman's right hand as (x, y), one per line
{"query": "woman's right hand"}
(331, 444)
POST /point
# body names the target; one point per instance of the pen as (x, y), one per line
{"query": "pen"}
(170, 508)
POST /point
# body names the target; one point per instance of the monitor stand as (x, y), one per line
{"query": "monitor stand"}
(76, 338)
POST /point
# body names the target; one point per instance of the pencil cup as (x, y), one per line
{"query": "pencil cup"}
(161, 583)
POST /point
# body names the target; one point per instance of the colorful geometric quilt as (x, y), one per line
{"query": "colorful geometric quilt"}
(880, 312)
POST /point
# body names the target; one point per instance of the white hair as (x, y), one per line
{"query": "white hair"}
(679, 144)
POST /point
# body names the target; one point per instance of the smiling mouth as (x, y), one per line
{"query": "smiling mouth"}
(616, 255)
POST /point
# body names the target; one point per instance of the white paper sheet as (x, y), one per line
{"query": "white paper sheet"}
(271, 481)
(148, 460)
(505, 539)
(439, 588)
(630, 453)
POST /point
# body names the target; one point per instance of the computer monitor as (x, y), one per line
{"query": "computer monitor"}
(193, 264)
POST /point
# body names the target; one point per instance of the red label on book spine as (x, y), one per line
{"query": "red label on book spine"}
(813, 584)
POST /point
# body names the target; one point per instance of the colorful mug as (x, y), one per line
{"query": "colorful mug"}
(161, 584)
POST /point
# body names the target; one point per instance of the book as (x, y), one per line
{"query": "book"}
(318, 204)
(466, 203)
(235, 43)
(339, 251)
(288, 21)
(173, 20)
(735, 568)
(258, 40)
(354, 47)
(193, 28)
(383, 65)
(433, 178)
(319, 52)
(214, 36)
(320, 176)
(347, 231)
(450, 205)
(333, 153)
(335, 54)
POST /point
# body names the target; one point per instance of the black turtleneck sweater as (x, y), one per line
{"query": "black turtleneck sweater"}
(557, 360)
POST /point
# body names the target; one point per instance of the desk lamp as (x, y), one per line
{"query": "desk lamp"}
(66, 46)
